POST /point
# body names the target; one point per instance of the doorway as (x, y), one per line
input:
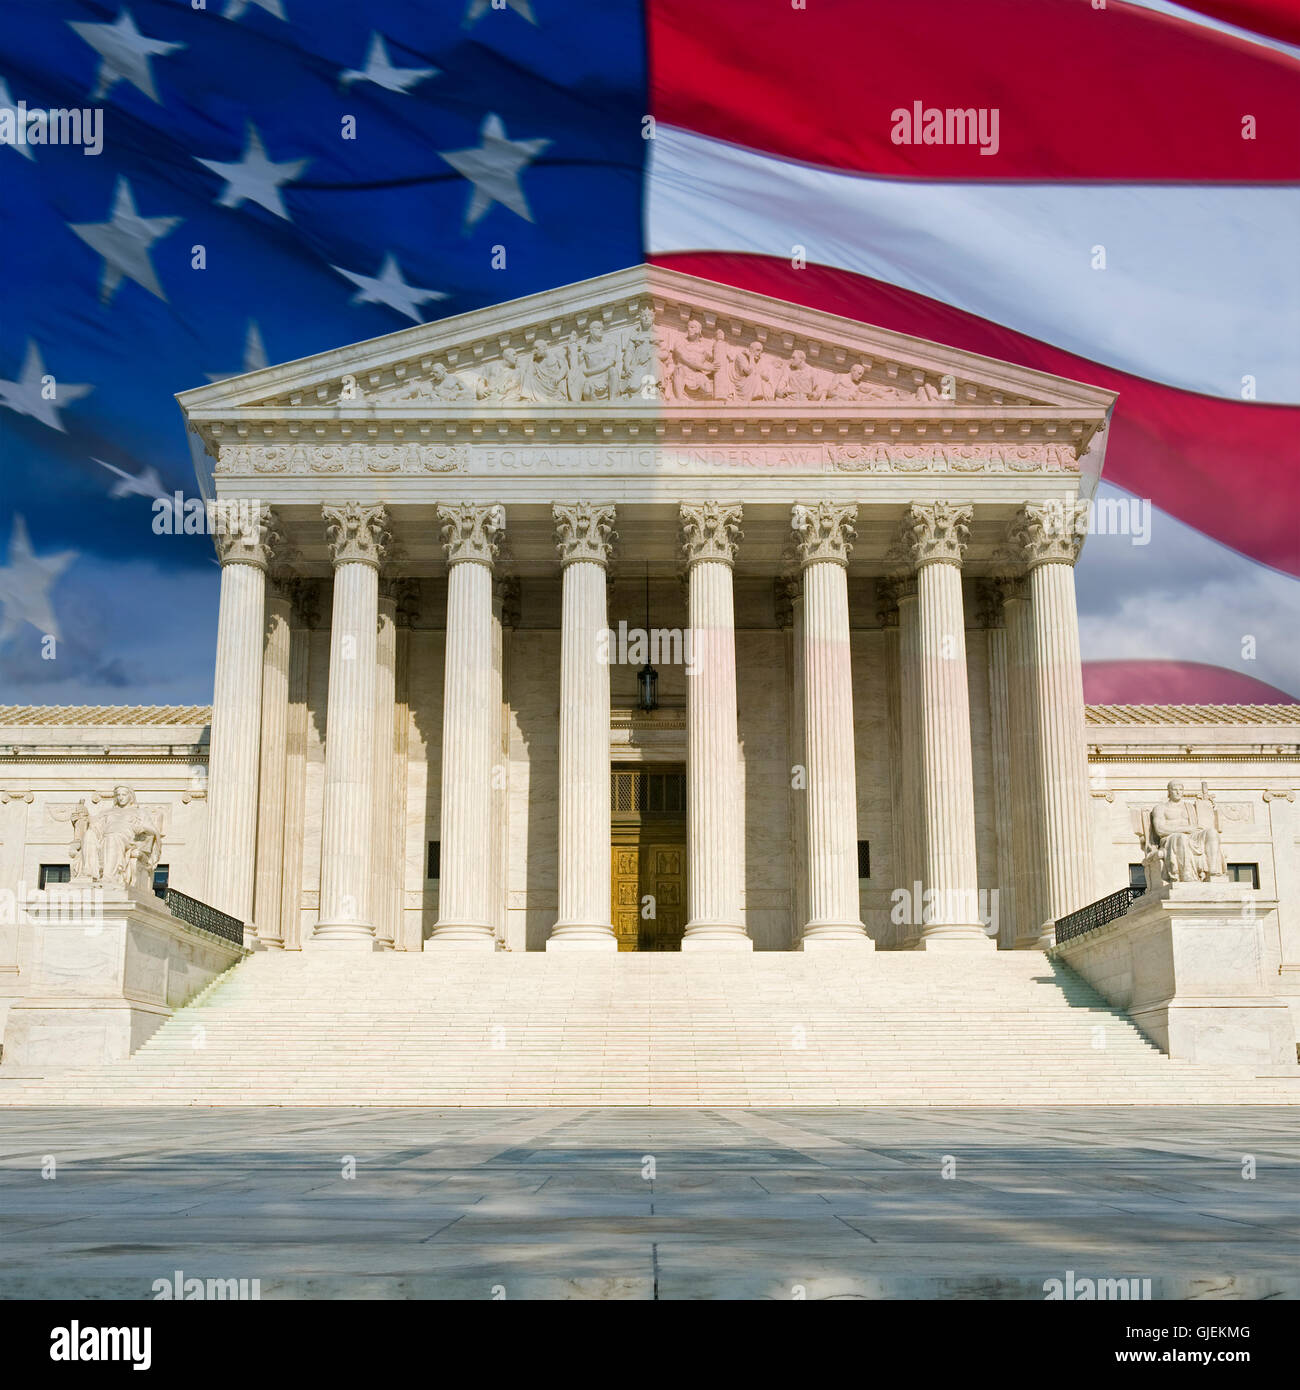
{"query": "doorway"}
(648, 856)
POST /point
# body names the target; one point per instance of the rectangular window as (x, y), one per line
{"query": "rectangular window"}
(160, 877)
(1137, 876)
(53, 873)
(435, 859)
(1244, 873)
(864, 858)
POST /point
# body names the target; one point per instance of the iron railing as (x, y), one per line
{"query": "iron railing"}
(1096, 914)
(200, 915)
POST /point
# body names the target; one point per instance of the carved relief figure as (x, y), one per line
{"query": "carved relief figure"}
(1182, 844)
(597, 366)
(549, 378)
(800, 382)
(121, 845)
(854, 385)
(641, 355)
(504, 380)
(756, 375)
(690, 364)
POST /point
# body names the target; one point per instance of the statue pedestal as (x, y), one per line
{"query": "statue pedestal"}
(107, 967)
(1186, 963)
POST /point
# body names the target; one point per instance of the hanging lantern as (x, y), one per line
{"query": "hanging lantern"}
(647, 678)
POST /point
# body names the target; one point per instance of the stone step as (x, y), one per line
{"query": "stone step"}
(284, 1029)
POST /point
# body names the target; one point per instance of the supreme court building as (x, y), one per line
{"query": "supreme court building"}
(652, 614)
(449, 556)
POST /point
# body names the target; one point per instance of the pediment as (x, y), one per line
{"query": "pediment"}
(646, 341)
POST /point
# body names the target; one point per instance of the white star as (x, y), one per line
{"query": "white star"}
(256, 178)
(254, 354)
(7, 103)
(124, 52)
(25, 584)
(493, 168)
(379, 69)
(235, 9)
(124, 243)
(26, 396)
(390, 288)
(146, 483)
(478, 8)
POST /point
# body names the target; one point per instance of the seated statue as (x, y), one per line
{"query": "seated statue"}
(121, 845)
(1181, 840)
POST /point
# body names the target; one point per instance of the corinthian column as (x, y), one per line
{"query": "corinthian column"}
(358, 538)
(383, 863)
(934, 537)
(584, 535)
(824, 536)
(471, 536)
(245, 542)
(710, 534)
(1049, 538)
(270, 801)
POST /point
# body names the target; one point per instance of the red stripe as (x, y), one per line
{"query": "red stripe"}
(1231, 469)
(1174, 683)
(1120, 93)
(1277, 19)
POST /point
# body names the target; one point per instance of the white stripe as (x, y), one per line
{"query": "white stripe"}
(1180, 596)
(1201, 287)
(1208, 22)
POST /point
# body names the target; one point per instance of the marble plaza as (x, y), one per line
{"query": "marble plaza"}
(648, 615)
(645, 1204)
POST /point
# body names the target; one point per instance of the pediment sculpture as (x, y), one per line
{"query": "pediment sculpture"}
(1180, 839)
(119, 845)
(647, 361)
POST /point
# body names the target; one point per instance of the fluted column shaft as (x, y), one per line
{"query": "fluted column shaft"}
(1026, 816)
(295, 787)
(1062, 754)
(825, 539)
(583, 922)
(951, 880)
(358, 537)
(471, 536)
(384, 852)
(468, 724)
(235, 738)
(271, 793)
(1003, 769)
(910, 738)
(349, 759)
(712, 824)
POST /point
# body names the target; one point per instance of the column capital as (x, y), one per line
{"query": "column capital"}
(246, 534)
(934, 533)
(357, 533)
(824, 531)
(1049, 532)
(584, 531)
(710, 531)
(472, 531)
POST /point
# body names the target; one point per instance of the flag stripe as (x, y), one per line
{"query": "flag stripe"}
(1194, 286)
(1120, 93)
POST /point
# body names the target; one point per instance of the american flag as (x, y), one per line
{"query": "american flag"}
(281, 177)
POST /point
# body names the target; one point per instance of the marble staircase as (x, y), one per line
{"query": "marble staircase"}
(445, 1029)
